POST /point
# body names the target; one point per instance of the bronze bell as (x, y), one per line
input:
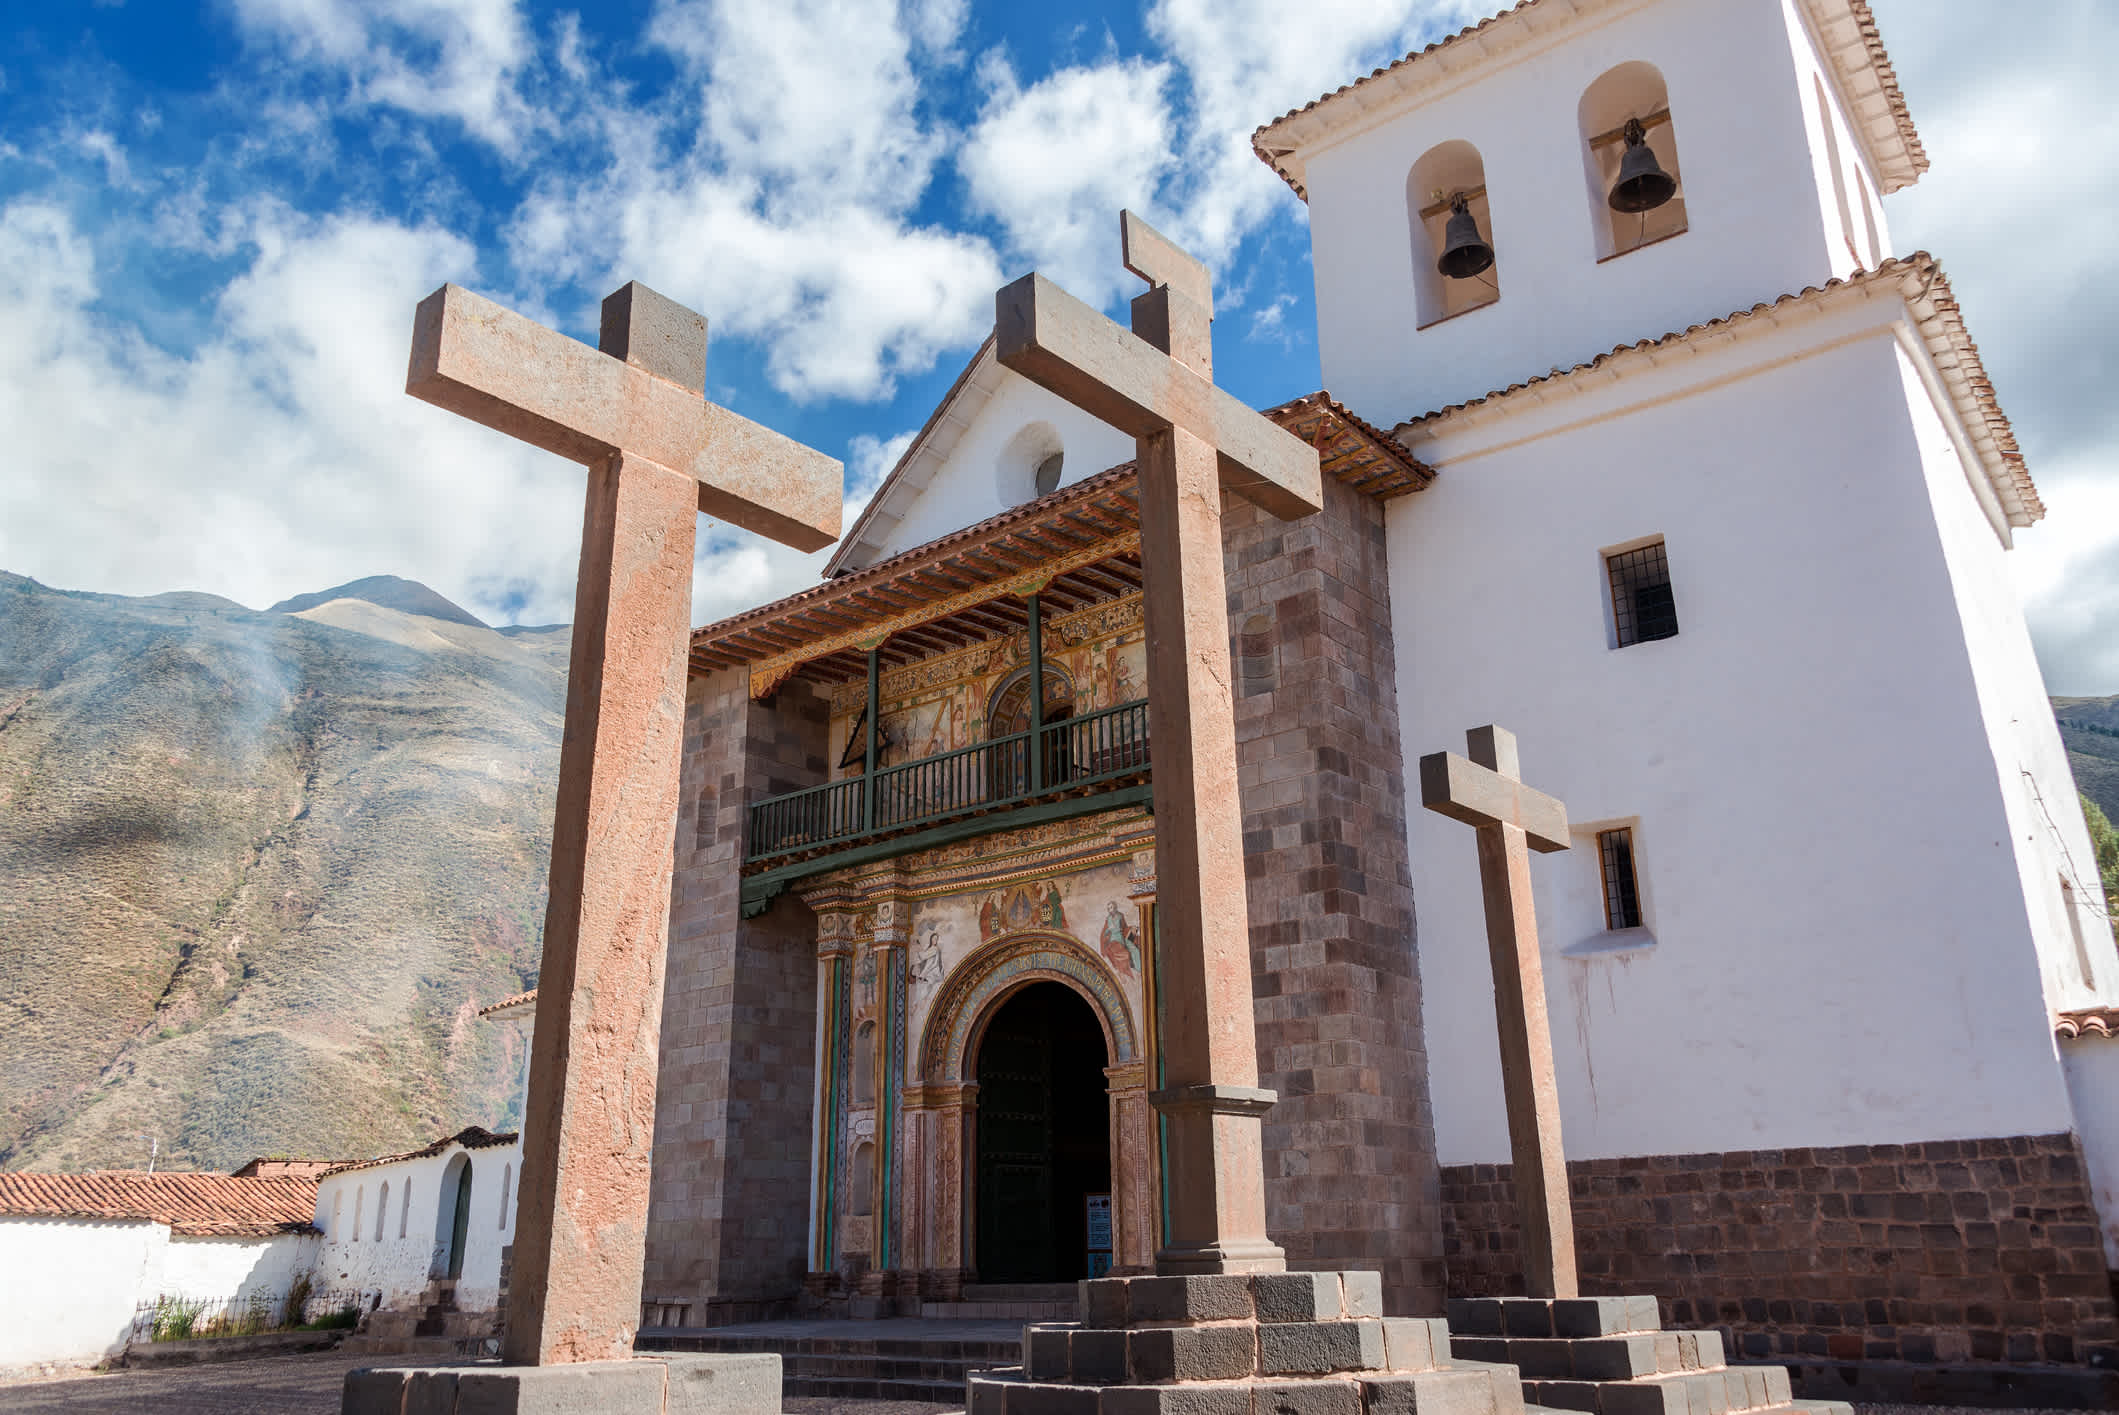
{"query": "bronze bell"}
(1643, 185)
(1464, 251)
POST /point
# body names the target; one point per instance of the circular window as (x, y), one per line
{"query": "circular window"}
(1048, 473)
(1029, 464)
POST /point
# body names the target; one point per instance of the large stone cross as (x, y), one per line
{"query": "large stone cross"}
(1192, 441)
(1512, 820)
(658, 454)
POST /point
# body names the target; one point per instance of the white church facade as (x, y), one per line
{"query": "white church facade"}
(1709, 501)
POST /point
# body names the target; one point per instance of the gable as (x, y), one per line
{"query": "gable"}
(976, 457)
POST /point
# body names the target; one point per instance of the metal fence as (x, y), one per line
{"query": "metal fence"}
(168, 1318)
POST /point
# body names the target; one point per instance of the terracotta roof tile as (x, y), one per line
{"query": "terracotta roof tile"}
(474, 1137)
(195, 1205)
(509, 1004)
(1935, 311)
(2087, 1022)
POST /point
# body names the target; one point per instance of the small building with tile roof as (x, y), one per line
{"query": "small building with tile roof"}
(117, 1241)
(1707, 497)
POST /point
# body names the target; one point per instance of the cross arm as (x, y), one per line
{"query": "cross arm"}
(1465, 791)
(487, 363)
(1056, 341)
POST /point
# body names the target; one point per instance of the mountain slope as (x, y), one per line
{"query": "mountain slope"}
(258, 870)
(2090, 729)
(408, 596)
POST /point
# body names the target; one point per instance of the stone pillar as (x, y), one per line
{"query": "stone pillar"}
(1134, 1201)
(893, 924)
(955, 1118)
(728, 1220)
(835, 947)
(1330, 893)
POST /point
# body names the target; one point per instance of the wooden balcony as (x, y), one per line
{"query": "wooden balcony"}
(1081, 756)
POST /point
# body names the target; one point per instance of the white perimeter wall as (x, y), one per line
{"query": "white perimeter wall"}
(1762, 216)
(220, 1269)
(1842, 949)
(980, 480)
(2092, 1065)
(72, 1286)
(398, 1268)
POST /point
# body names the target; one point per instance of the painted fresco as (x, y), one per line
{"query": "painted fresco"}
(940, 704)
(1090, 905)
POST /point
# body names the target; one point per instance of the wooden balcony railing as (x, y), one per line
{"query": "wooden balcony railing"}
(1065, 758)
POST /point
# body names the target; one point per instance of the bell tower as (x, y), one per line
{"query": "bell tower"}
(1569, 177)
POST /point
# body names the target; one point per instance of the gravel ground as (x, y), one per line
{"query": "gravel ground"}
(280, 1385)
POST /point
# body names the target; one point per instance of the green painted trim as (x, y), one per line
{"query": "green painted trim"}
(759, 890)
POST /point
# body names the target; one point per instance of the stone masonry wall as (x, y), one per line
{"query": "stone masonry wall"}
(1351, 1178)
(732, 1113)
(1946, 1251)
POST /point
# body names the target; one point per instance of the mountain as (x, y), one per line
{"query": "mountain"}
(259, 870)
(2090, 728)
(406, 596)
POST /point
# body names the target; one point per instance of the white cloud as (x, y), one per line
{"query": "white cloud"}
(283, 454)
(1055, 162)
(436, 58)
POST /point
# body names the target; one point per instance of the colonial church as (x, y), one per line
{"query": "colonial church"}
(1643, 441)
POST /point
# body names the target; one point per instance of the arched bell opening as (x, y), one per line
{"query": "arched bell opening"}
(1042, 1162)
(1456, 268)
(1630, 158)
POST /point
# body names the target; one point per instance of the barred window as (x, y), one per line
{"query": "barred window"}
(1622, 893)
(1642, 606)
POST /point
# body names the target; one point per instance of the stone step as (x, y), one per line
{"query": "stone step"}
(834, 1388)
(1597, 1358)
(1468, 1388)
(1000, 1309)
(1721, 1391)
(851, 1366)
(1553, 1316)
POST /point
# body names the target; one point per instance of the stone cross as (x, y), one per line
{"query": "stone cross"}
(1192, 441)
(1512, 820)
(658, 454)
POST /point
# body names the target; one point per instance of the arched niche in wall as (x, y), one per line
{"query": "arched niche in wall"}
(1631, 91)
(1445, 172)
(863, 1065)
(1031, 463)
(860, 1197)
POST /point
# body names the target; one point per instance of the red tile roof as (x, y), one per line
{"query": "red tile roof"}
(473, 1137)
(509, 1005)
(195, 1205)
(2087, 1022)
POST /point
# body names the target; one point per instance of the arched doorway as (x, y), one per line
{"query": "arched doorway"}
(1008, 712)
(1044, 1135)
(452, 1219)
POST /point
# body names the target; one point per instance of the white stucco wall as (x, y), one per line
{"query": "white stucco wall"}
(397, 1267)
(1843, 951)
(72, 1287)
(2078, 964)
(1762, 218)
(2092, 1067)
(981, 478)
(221, 1269)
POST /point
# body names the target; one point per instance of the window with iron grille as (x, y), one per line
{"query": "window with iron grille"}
(1622, 893)
(1642, 606)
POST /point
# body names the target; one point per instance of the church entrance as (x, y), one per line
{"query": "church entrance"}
(1044, 1137)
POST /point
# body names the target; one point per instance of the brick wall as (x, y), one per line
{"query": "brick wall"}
(1947, 1251)
(1351, 1178)
(732, 1114)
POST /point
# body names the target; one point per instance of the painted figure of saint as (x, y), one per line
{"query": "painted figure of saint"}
(927, 973)
(1019, 909)
(993, 916)
(1120, 941)
(1055, 913)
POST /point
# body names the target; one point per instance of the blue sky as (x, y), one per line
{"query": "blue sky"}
(215, 220)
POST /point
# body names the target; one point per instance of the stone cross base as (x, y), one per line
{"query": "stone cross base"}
(1262, 1344)
(1610, 1356)
(657, 1385)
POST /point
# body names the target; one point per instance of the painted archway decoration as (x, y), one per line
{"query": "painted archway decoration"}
(1001, 967)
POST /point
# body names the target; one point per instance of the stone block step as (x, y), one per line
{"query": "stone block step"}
(833, 1388)
(1553, 1316)
(1725, 1390)
(850, 1363)
(1597, 1358)
(1467, 1389)
(999, 1309)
